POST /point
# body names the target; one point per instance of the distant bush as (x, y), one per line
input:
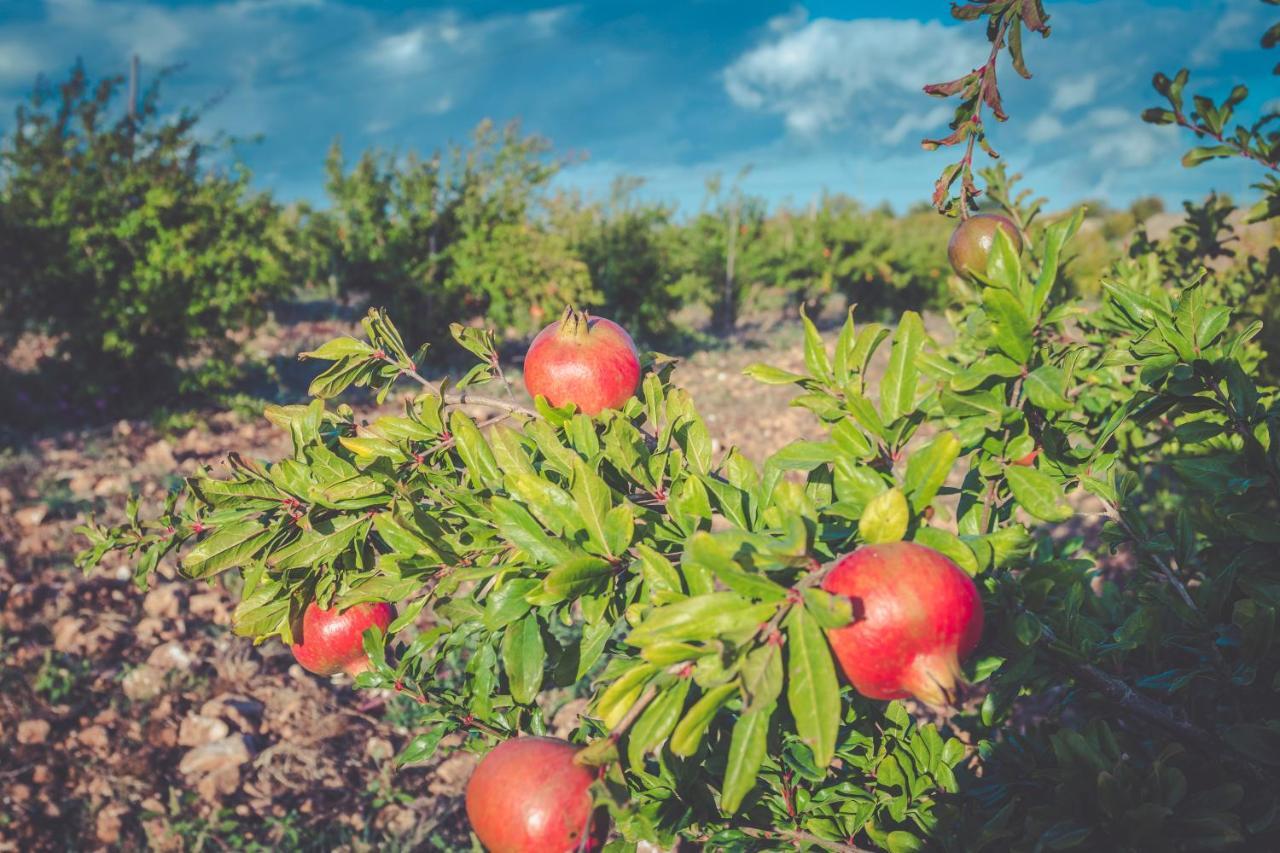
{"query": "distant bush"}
(631, 249)
(461, 233)
(123, 248)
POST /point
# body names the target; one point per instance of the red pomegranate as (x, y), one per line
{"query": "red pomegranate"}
(588, 361)
(332, 641)
(916, 616)
(971, 242)
(527, 796)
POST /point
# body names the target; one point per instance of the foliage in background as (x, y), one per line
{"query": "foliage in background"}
(458, 234)
(123, 246)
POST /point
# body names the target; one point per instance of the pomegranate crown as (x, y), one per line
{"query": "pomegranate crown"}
(574, 324)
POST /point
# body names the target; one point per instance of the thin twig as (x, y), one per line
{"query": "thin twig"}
(466, 398)
(466, 719)
(1113, 512)
(497, 366)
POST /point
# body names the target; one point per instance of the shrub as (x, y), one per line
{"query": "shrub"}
(630, 250)
(132, 255)
(453, 236)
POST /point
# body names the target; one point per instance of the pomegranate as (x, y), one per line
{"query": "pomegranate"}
(527, 796)
(916, 615)
(588, 361)
(332, 642)
(971, 242)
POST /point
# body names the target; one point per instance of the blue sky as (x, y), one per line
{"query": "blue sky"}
(820, 96)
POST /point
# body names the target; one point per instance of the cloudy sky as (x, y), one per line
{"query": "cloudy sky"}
(820, 96)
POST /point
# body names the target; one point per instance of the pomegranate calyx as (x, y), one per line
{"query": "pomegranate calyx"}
(574, 325)
(935, 679)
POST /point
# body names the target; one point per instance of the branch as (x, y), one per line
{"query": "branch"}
(1144, 708)
(1243, 150)
(797, 837)
(466, 398)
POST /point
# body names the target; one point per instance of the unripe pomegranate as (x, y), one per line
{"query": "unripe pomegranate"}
(588, 361)
(333, 642)
(527, 796)
(971, 242)
(916, 615)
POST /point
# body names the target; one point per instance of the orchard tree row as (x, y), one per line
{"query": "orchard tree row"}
(124, 243)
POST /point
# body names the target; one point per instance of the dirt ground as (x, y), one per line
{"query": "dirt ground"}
(132, 720)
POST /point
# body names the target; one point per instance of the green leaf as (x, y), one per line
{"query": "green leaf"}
(1055, 237)
(228, 546)
(523, 658)
(898, 387)
(762, 676)
(521, 529)
(321, 544)
(574, 578)
(700, 618)
(813, 694)
(771, 375)
(815, 353)
(657, 570)
(549, 503)
(1004, 269)
(1046, 387)
(474, 450)
(948, 544)
(1038, 493)
(594, 500)
(335, 378)
(508, 602)
(657, 721)
(1012, 327)
(718, 555)
(689, 731)
(928, 468)
(830, 611)
(619, 529)
(1196, 156)
(885, 518)
(422, 747)
(339, 348)
(747, 749)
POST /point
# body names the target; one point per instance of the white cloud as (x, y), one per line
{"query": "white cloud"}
(19, 62)
(1043, 128)
(1120, 139)
(1234, 30)
(447, 36)
(816, 75)
(1075, 92)
(909, 123)
(155, 34)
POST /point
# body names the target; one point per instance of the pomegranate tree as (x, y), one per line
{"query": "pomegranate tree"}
(332, 641)
(588, 361)
(528, 796)
(916, 615)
